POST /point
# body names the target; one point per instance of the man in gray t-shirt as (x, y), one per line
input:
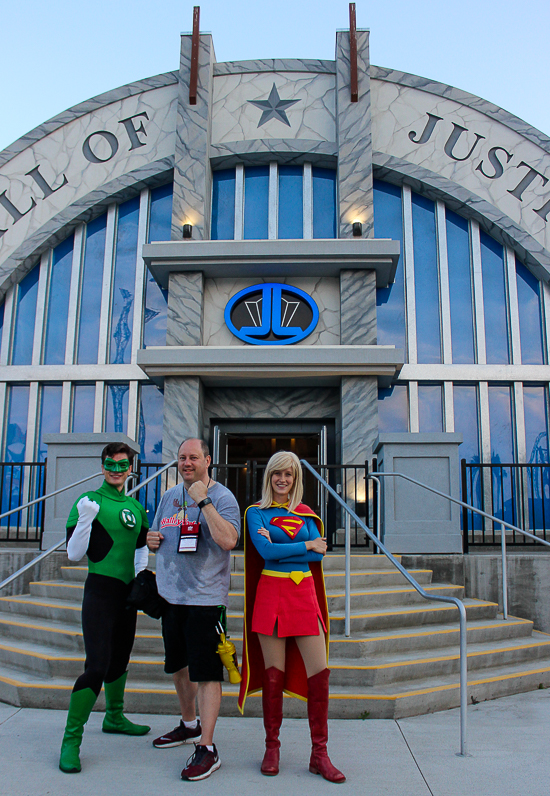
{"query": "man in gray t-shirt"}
(196, 526)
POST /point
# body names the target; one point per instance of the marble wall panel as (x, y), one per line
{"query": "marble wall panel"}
(72, 177)
(312, 117)
(353, 126)
(357, 308)
(325, 292)
(183, 413)
(192, 174)
(275, 403)
(400, 115)
(359, 417)
(185, 304)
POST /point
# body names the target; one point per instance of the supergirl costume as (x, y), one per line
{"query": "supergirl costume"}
(118, 529)
(284, 588)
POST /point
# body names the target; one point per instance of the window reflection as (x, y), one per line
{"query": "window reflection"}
(324, 202)
(122, 309)
(156, 299)
(83, 408)
(530, 317)
(16, 427)
(460, 289)
(50, 416)
(426, 280)
(390, 301)
(393, 408)
(58, 303)
(116, 415)
(494, 300)
(24, 318)
(430, 407)
(223, 205)
(150, 423)
(291, 202)
(256, 202)
(90, 291)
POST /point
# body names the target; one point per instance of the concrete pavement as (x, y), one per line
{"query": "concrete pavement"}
(508, 741)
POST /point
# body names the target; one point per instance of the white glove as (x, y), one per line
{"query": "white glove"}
(80, 539)
(141, 558)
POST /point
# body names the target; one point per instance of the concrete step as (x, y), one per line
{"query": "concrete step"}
(382, 597)
(57, 610)
(359, 579)
(334, 562)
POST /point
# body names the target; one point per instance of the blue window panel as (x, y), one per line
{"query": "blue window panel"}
(83, 408)
(58, 303)
(24, 318)
(502, 450)
(256, 202)
(430, 407)
(494, 301)
(150, 423)
(428, 331)
(466, 416)
(1, 320)
(90, 292)
(530, 317)
(223, 205)
(393, 408)
(390, 301)
(460, 289)
(535, 404)
(291, 202)
(156, 299)
(116, 416)
(324, 202)
(16, 432)
(122, 306)
(50, 416)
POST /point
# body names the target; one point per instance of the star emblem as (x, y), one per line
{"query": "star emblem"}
(273, 107)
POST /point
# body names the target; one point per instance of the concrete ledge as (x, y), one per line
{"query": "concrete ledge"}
(13, 558)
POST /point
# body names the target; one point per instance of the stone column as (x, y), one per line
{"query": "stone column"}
(192, 178)
(357, 308)
(183, 405)
(354, 136)
(185, 309)
(359, 417)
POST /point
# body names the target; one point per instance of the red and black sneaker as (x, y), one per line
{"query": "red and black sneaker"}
(179, 736)
(201, 764)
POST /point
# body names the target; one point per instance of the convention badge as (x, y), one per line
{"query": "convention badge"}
(189, 536)
(128, 519)
(290, 525)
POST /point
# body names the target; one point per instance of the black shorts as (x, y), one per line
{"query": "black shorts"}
(191, 639)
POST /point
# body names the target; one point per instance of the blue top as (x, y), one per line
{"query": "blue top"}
(287, 550)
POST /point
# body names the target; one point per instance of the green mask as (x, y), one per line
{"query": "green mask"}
(120, 466)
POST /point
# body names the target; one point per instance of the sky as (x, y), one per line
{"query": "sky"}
(58, 53)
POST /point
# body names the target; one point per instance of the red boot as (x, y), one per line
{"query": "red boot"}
(272, 704)
(317, 713)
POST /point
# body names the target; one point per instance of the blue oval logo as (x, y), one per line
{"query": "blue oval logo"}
(271, 314)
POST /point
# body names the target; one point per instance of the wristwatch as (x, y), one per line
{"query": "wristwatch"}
(204, 502)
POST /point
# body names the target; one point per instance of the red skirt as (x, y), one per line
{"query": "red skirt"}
(293, 606)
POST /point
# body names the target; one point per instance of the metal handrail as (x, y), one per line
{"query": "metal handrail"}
(492, 517)
(453, 600)
(59, 544)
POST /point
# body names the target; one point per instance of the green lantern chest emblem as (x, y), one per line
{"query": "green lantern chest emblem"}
(128, 519)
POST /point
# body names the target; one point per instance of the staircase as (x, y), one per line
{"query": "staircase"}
(401, 660)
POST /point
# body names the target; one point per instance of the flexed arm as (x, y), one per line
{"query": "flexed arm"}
(79, 539)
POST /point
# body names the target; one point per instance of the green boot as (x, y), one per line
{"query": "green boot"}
(80, 708)
(115, 720)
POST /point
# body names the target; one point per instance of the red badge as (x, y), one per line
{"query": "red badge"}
(290, 525)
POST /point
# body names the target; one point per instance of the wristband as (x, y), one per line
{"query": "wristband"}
(204, 502)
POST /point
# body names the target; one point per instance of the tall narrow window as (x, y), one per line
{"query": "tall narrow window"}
(24, 319)
(430, 407)
(150, 423)
(122, 307)
(494, 301)
(460, 289)
(50, 416)
(223, 204)
(90, 291)
(156, 299)
(324, 203)
(291, 202)
(428, 333)
(83, 408)
(256, 202)
(530, 317)
(466, 421)
(116, 415)
(502, 451)
(390, 301)
(393, 408)
(535, 404)
(16, 427)
(58, 303)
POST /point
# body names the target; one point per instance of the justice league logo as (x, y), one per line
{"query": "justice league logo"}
(290, 525)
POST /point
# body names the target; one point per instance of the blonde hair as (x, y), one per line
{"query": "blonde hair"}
(281, 461)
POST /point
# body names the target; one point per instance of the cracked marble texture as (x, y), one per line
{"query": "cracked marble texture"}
(358, 308)
(325, 292)
(236, 119)
(359, 408)
(61, 153)
(185, 298)
(398, 110)
(277, 403)
(183, 402)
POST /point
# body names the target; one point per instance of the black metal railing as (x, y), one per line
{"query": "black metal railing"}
(517, 493)
(21, 482)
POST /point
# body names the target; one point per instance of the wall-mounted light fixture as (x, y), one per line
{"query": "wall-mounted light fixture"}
(188, 230)
(357, 228)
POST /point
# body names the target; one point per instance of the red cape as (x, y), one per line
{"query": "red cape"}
(253, 663)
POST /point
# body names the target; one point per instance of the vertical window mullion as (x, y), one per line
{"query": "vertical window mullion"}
(133, 410)
(273, 202)
(448, 407)
(521, 447)
(410, 299)
(3, 411)
(99, 406)
(65, 420)
(443, 264)
(74, 293)
(140, 281)
(478, 294)
(484, 425)
(308, 201)
(32, 422)
(10, 303)
(414, 422)
(513, 308)
(41, 298)
(239, 201)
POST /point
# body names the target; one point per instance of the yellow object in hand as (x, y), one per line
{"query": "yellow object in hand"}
(228, 654)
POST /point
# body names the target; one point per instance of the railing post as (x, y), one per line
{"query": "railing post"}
(504, 572)
(464, 487)
(347, 525)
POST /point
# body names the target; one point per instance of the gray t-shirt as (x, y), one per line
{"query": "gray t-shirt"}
(200, 578)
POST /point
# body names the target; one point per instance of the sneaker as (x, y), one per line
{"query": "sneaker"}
(201, 763)
(178, 736)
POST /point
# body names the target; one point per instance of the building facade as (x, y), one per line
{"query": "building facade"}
(350, 267)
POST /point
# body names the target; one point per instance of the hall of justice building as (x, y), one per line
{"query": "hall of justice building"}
(318, 255)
